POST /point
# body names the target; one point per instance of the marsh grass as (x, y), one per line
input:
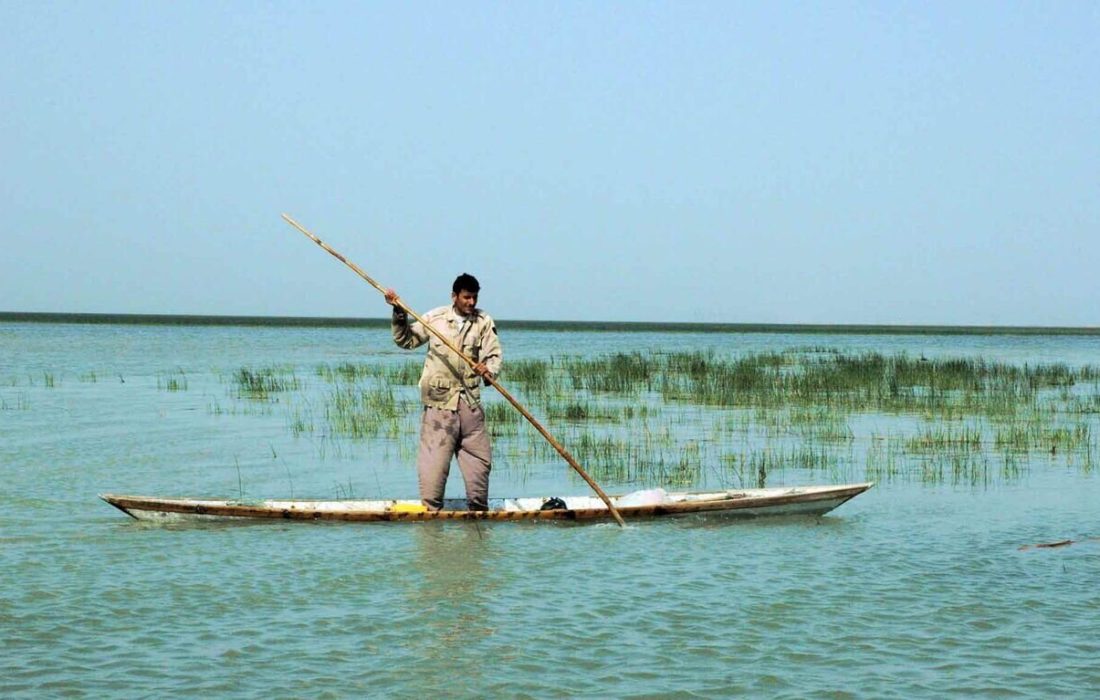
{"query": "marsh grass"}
(405, 373)
(965, 438)
(246, 408)
(583, 411)
(172, 381)
(685, 419)
(357, 412)
(532, 375)
(263, 383)
(621, 460)
(300, 420)
(1039, 436)
(960, 467)
(502, 419)
(620, 373)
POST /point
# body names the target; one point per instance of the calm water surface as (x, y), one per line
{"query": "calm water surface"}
(908, 591)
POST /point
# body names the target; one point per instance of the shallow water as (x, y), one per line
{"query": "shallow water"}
(907, 591)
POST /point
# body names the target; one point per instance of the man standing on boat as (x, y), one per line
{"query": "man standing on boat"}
(453, 422)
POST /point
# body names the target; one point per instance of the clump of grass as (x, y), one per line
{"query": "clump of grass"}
(346, 371)
(176, 381)
(1024, 437)
(365, 413)
(576, 411)
(619, 459)
(501, 418)
(962, 467)
(885, 460)
(622, 373)
(965, 439)
(260, 384)
(581, 411)
(405, 373)
(532, 375)
(501, 412)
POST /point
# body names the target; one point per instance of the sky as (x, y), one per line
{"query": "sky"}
(732, 162)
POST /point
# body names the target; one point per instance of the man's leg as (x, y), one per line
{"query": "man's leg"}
(438, 434)
(475, 456)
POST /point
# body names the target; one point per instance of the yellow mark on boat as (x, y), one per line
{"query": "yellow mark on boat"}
(408, 508)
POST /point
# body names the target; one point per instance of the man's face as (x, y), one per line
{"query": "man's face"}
(465, 301)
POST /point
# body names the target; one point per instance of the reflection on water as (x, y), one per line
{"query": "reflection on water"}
(451, 576)
(450, 585)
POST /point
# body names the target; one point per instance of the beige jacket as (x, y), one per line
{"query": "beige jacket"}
(446, 377)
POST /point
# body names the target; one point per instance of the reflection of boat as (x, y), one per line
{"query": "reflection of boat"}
(789, 500)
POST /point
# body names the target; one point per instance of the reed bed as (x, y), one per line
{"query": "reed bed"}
(709, 419)
(1031, 436)
(360, 413)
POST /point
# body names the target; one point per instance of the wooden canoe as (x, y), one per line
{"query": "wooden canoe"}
(788, 500)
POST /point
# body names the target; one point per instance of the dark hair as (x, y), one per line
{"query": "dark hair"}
(465, 282)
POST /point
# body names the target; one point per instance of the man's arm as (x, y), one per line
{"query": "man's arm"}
(491, 355)
(406, 335)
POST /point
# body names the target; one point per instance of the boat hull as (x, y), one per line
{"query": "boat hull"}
(749, 503)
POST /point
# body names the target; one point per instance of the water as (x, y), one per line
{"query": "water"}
(909, 590)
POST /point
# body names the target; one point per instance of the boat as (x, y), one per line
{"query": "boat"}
(786, 500)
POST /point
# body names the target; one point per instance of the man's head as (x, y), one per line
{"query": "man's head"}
(464, 293)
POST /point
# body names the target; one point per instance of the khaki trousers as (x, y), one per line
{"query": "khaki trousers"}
(445, 434)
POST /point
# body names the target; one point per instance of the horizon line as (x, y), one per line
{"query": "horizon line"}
(531, 324)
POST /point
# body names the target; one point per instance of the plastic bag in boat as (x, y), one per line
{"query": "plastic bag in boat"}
(648, 497)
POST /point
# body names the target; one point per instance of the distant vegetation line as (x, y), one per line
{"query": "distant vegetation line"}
(622, 326)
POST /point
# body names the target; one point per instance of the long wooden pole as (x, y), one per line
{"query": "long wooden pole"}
(491, 380)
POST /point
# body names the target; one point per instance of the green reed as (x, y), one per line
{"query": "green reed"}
(357, 412)
(261, 384)
(966, 438)
(300, 421)
(176, 381)
(895, 384)
(532, 375)
(502, 418)
(623, 373)
(405, 373)
(610, 458)
(1037, 435)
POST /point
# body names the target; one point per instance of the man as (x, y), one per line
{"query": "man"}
(453, 423)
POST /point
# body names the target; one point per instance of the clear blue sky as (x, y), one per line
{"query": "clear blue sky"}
(882, 162)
